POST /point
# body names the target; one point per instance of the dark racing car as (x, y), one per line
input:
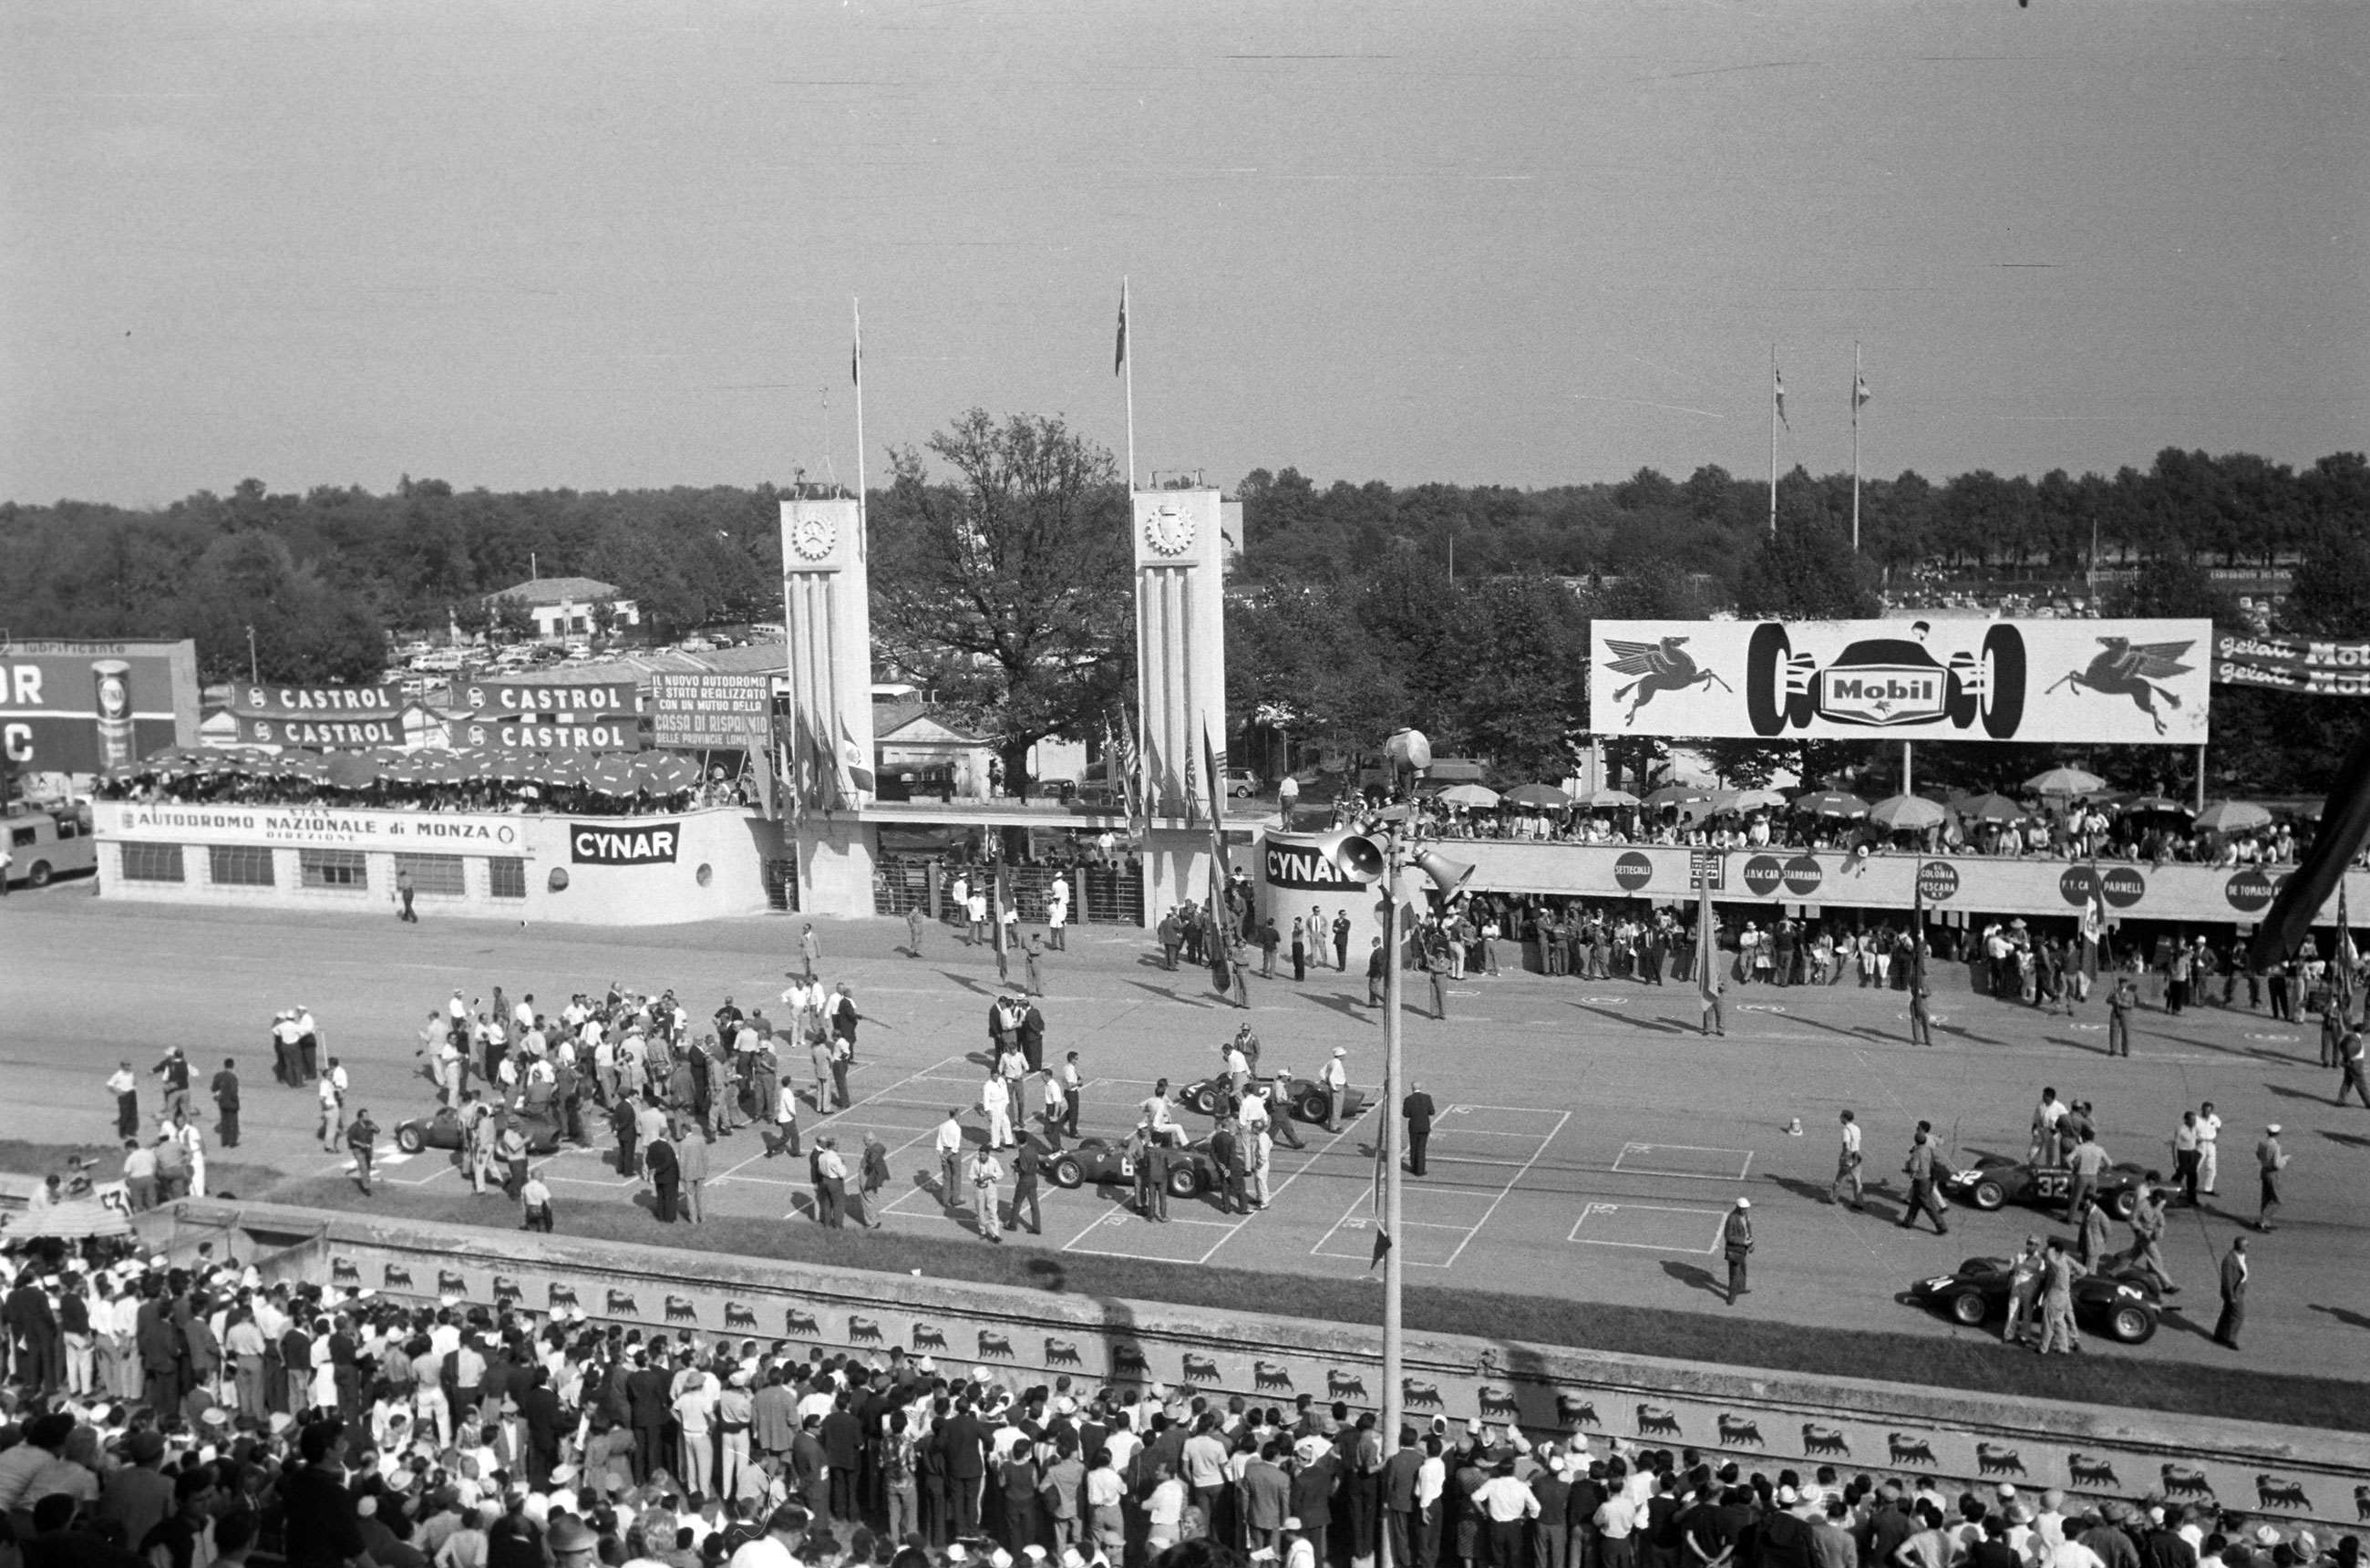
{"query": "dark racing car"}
(1099, 1161)
(2122, 1306)
(1306, 1096)
(1993, 1182)
(1886, 683)
(442, 1130)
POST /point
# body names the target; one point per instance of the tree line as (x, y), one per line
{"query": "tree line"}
(1000, 584)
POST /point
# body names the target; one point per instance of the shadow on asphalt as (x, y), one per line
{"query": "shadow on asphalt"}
(2345, 1315)
(1651, 1025)
(1166, 995)
(1695, 1278)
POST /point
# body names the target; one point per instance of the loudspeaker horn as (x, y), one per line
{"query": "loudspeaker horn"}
(1351, 853)
(1449, 876)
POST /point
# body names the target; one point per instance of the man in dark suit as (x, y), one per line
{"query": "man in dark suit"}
(647, 1405)
(843, 1450)
(538, 1409)
(31, 1323)
(1314, 1481)
(1418, 1111)
(1400, 1522)
(966, 1449)
(2233, 1295)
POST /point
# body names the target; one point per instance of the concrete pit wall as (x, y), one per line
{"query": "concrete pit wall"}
(1763, 1420)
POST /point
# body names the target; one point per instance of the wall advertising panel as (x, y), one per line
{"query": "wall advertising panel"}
(94, 706)
(623, 842)
(1292, 860)
(331, 734)
(2293, 663)
(608, 699)
(2122, 682)
(608, 735)
(382, 701)
(700, 711)
(309, 828)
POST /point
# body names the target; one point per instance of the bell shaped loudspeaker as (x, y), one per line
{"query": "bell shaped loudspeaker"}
(1353, 854)
(1449, 876)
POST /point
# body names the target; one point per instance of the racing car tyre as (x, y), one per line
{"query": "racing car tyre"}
(1987, 1195)
(1204, 1099)
(2132, 1325)
(1764, 692)
(1314, 1106)
(1960, 706)
(2003, 682)
(1067, 1172)
(1184, 1181)
(2122, 1202)
(408, 1138)
(1968, 1308)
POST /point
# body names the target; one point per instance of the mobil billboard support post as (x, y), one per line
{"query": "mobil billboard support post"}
(2069, 682)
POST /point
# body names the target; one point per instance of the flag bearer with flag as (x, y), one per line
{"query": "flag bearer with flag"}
(1708, 982)
(1921, 994)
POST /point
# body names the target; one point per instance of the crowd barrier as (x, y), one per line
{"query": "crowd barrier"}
(1763, 1421)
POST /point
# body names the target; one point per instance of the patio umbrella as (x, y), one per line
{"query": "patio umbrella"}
(1547, 797)
(1745, 799)
(350, 770)
(1898, 812)
(1476, 795)
(2065, 781)
(1992, 808)
(1830, 804)
(2146, 803)
(1596, 800)
(2232, 816)
(663, 773)
(1677, 794)
(612, 775)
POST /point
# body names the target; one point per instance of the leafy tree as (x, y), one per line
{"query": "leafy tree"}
(1806, 571)
(1006, 585)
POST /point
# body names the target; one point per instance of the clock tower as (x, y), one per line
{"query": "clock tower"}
(1180, 681)
(828, 730)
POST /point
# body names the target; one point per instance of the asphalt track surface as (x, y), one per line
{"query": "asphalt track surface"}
(1589, 1145)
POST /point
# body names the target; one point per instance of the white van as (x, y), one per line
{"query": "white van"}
(46, 845)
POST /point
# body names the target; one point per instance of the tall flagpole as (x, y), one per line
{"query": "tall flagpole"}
(1773, 385)
(1855, 403)
(856, 369)
(1127, 373)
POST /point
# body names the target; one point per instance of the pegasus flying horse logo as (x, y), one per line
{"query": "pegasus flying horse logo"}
(1660, 666)
(2123, 668)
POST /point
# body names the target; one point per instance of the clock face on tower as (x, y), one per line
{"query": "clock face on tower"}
(813, 536)
(1167, 532)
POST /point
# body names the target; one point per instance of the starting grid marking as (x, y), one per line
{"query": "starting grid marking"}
(1700, 1162)
(1657, 1227)
(1438, 1223)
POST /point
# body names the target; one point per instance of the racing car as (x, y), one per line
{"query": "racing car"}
(1099, 1161)
(2122, 1305)
(1885, 682)
(442, 1130)
(1306, 1096)
(1993, 1181)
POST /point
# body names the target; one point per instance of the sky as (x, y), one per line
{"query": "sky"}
(601, 246)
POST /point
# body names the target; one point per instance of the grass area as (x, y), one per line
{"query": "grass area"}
(40, 1160)
(1976, 1365)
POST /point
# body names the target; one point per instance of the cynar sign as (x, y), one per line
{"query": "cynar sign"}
(623, 843)
(1296, 861)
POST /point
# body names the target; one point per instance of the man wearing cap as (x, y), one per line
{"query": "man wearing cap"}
(2269, 1160)
(1737, 1241)
(1920, 1171)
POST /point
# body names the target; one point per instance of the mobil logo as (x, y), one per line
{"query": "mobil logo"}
(2122, 886)
(2074, 885)
(1762, 875)
(1938, 880)
(2250, 890)
(1633, 871)
(1803, 875)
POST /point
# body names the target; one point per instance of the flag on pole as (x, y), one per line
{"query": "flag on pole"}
(1777, 390)
(1917, 935)
(1216, 761)
(1707, 936)
(1131, 764)
(1860, 394)
(2348, 960)
(856, 353)
(1000, 895)
(1382, 1230)
(1119, 350)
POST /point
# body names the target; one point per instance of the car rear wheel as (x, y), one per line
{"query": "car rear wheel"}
(2122, 1202)
(2132, 1325)
(39, 875)
(1987, 1195)
(1067, 1172)
(407, 1137)
(1765, 693)
(2003, 682)
(1968, 1308)
(1315, 1106)
(1204, 1099)
(1183, 1181)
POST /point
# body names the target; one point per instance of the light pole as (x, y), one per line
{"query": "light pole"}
(1359, 855)
(253, 672)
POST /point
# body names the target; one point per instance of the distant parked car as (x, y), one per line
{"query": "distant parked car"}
(1241, 783)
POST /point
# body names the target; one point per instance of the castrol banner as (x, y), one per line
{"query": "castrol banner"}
(2320, 666)
(2122, 682)
(609, 700)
